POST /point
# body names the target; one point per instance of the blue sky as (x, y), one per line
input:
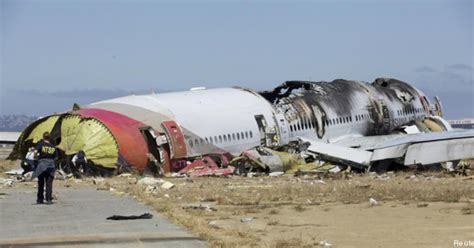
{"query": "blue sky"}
(55, 53)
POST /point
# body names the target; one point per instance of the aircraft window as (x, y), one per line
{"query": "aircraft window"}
(225, 138)
(251, 134)
(190, 142)
(207, 141)
(233, 136)
(196, 142)
(291, 128)
(220, 138)
(238, 136)
(246, 135)
(347, 119)
(298, 126)
(306, 123)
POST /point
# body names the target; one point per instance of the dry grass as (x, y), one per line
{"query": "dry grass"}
(271, 198)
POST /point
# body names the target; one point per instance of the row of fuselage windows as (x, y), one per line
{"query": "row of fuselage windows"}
(220, 139)
(306, 124)
(346, 119)
(410, 111)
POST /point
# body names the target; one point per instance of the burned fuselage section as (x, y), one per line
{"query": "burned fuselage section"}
(329, 110)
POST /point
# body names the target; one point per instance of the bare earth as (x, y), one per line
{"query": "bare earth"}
(431, 209)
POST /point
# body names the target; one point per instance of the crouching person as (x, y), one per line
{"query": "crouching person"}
(29, 164)
(45, 169)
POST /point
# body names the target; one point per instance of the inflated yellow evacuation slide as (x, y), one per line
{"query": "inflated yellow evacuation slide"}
(91, 136)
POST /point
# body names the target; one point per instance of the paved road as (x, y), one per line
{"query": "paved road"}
(78, 219)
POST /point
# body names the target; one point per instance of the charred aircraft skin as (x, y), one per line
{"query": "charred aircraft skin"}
(177, 126)
(375, 109)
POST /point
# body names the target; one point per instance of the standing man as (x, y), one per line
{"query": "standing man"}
(45, 169)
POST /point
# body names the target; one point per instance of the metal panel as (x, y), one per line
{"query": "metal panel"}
(440, 151)
(389, 152)
(339, 152)
(176, 139)
(283, 128)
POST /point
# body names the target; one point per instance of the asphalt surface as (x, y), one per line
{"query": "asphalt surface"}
(78, 219)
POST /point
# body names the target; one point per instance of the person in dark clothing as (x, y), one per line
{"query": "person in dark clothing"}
(45, 169)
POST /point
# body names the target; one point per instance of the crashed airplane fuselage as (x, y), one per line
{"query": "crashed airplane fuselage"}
(343, 121)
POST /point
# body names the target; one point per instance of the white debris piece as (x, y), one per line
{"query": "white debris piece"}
(276, 173)
(246, 219)
(324, 243)
(150, 181)
(125, 175)
(14, 172)
(167, 185)
(373, 202)
(334, 170)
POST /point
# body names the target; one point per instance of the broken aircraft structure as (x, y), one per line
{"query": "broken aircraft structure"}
(349, 122)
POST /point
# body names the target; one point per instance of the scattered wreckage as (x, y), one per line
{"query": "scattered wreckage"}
(217, 132)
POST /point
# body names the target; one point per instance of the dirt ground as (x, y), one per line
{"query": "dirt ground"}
(408, 209)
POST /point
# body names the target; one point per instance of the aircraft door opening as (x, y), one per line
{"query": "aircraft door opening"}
(176, 139)
(262, 124)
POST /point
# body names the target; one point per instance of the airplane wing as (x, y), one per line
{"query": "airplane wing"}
(9, 137)
(412, 149)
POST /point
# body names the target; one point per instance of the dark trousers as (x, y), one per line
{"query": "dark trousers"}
(47, 178)
(27, 166)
